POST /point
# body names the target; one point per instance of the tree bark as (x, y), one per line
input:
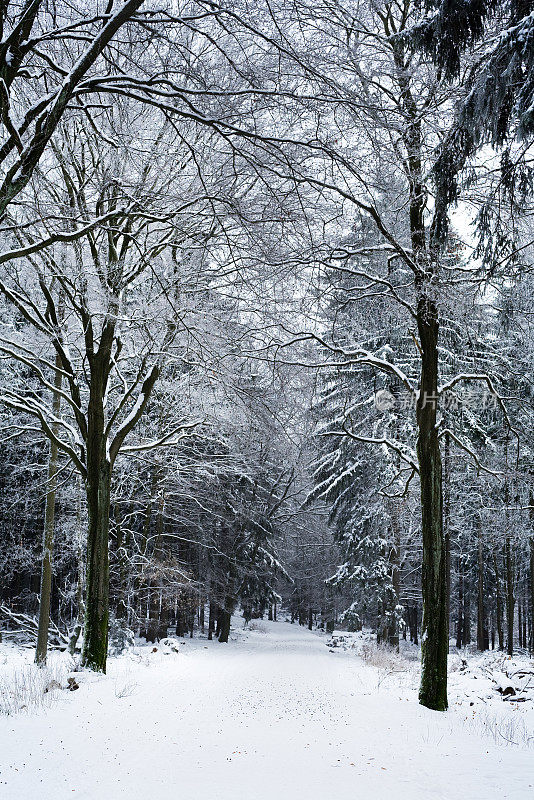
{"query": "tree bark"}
(98, 486)
(435, 628)
(446, 518)
(211, 621)
(226, 617)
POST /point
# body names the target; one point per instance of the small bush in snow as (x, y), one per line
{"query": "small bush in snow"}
(382, 656)
(121, 638)
(259, 627)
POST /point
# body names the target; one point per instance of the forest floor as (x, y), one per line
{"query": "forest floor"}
(277, 713)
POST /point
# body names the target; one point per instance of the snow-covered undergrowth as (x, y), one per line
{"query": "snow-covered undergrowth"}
(490, 692)
(383, 657)
(256, 626)
(495, 694)
(25, 687)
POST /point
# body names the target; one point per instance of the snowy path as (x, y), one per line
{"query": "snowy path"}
(272, 716)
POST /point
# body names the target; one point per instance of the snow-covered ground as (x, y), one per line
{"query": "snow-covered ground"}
(276, 713)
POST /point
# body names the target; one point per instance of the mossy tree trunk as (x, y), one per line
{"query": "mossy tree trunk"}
(98, 487)
(100, 457)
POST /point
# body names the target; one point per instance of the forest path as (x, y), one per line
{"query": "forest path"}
(271, 715)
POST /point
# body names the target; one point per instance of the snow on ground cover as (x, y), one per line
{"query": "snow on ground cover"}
(475, 686)
(273, 714)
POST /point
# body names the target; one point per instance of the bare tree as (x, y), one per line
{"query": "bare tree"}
(111, 323)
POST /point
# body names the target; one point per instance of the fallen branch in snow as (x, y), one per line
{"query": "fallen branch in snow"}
(513, 686)
(504, 684)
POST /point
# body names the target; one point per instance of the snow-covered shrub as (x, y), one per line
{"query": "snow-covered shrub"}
(30, 687)
(352, 620)
(121, 638)
(383, 656)
(259, 627)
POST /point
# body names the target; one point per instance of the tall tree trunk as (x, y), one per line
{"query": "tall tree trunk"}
(48, 533)
(446, 521)
(181, 622)
(97, 593)
(212, 618)
(98, 484)
(435, 627)
(225, 618)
